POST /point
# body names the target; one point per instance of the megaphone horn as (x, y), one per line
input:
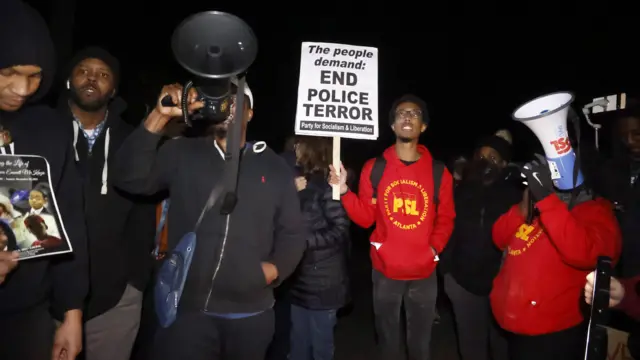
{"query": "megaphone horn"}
(215, 47)
(546, 117)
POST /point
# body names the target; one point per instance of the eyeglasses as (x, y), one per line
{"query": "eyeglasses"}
(410, 113)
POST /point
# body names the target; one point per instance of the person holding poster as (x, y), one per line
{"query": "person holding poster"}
(39, 151)
(412, 228)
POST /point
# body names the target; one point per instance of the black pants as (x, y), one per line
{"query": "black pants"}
(567, 344)
(479, 337)
(26, 335)
(279, 347)
(419, 300)
(199, 336)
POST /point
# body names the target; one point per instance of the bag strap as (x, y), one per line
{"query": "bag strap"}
(438, 171)
(376, 174)
(211, 201)
(161, 222)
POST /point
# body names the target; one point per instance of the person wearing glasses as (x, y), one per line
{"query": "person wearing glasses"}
(398, 193)
(471, 260)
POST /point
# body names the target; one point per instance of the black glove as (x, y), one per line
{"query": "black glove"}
(538, 178)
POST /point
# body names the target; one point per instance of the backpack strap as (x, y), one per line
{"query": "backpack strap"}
(438, 171)
(376, 174)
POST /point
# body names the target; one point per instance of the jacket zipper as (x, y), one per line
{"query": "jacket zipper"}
(215, 272)
(224, 244)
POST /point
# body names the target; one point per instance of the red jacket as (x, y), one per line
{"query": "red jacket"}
(540, 286)
(407, 227)
(630, 304)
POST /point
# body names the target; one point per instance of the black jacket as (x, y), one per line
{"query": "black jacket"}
(471, 256)
(120, 227)
(40, 130)
(266, 224)
(321, 280)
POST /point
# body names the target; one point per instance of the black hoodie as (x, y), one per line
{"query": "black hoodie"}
(265, 226)
(120, 226)
(39, 130)
(470, 256)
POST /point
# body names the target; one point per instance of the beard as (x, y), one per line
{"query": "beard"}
(91, 105)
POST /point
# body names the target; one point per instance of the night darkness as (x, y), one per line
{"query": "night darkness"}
(472, 74)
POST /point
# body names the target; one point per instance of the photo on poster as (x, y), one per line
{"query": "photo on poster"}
(30, 221)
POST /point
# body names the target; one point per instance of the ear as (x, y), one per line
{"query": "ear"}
(249, 115)
(423, 128)
(113, 93)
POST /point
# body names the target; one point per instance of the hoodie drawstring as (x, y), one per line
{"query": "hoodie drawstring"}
(3, 149)
(105, 167)
(76, 129)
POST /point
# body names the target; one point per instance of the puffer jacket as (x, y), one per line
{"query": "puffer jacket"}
(321, 281)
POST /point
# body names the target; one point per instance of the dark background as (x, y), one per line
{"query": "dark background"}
(472, 71)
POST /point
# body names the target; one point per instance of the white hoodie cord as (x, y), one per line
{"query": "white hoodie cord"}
(3, 150)
(76, 129)
(105, 168)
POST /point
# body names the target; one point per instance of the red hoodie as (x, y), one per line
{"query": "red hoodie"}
(540, 286)
(407, 227)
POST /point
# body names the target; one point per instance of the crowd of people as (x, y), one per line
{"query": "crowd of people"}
(514, 252)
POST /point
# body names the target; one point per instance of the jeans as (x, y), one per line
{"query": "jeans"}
(419, 300)
(312, 333)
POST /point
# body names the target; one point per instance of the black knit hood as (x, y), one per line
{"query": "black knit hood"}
(25, 40)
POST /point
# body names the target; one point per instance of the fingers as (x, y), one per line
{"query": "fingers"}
(342, 169)
(174, 91)
(56, 354)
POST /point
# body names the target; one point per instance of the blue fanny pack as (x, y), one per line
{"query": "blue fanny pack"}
(173, 272)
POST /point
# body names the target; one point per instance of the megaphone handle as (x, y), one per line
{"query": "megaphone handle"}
(167, 101)
(530, 210)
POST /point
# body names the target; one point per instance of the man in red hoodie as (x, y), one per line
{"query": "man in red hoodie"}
(409, 233)
(537, 294)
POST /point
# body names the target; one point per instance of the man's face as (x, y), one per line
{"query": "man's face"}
(491, 155)
(36, 199)
(408, 123)
(17, 84)
(222, 129)
(91, 84)
(629, 131)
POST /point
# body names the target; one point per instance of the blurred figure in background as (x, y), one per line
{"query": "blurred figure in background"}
(471, 260)
(320, 286)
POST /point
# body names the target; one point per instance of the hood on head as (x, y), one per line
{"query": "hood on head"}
(26, 41)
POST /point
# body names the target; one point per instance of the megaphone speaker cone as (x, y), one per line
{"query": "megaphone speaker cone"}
(214, 45)
(546, 117)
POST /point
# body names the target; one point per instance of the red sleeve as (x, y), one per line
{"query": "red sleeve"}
(359, 207)
(445, 214)
(630, 304)
(582, 235)
(506, 226)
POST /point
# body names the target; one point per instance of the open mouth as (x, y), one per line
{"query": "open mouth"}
(89, 90)
(407, 127)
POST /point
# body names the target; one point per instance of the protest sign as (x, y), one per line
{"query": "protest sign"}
(338, 91)
(338, 94)
(29, 218)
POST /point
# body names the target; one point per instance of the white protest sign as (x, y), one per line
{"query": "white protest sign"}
(338, 91)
